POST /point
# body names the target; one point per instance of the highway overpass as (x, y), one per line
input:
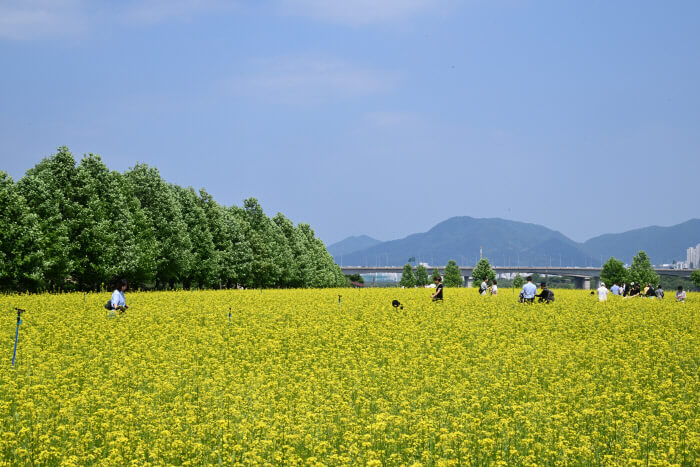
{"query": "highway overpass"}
(582, 275)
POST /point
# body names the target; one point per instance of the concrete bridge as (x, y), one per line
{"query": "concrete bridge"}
(582, 275)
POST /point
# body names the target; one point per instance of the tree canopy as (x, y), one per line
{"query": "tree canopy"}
(518, 281)
(421, 276)
(453, 276)
(407, 277)
(483, 271)
(695, 277)
(80, 226)
(613, 272)
(641, 270)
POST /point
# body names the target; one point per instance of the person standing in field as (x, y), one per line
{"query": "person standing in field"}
(494, 287)
(484, 287)
(680, 294)
(529, 291)
(602, 292)
(615, 289)
(438, 289)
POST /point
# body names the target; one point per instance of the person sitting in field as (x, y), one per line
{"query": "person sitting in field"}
(649, 291)
(545, 295)
(528, 292)
(680, 294)
(118, 301)
(635, 290)
(659, 292)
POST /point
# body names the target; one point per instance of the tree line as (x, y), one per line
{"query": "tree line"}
(640, 272)
(613, 271)
(79, 226)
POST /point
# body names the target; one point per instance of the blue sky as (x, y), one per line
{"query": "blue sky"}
(378, 117)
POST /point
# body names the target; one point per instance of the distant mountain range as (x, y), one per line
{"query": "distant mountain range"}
(513, 243)
(352, 244)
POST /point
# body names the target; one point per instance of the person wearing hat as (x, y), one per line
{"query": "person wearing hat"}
(602, 292)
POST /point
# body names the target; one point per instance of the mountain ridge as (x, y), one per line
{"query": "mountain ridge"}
(506, 242)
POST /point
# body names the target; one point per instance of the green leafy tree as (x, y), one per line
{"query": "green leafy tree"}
(613, 272)
(81, 226)
(453, 276)
(223, 242)
(483, 270)
(48, 191)
(203, 265)
(407, 278)
(239, 258)
(695, 277)
(518, 281)
(641, 270)
(296, 272)
(111, 237)
(161, 207)
(355, 278)
(20, 257)
(325, 272)
(421, 276)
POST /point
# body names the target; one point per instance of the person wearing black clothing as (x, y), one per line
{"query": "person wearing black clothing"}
(635, 290)
(546, 295)
(651, 291)
(438, 289)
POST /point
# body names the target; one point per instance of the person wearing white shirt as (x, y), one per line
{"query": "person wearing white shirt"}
(529, 290)
(602, 292)
(680, 295)
(494, 288)
(484, 287)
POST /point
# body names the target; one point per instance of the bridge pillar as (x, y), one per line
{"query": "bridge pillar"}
(582, 283)
(596, 281)
(467, 281)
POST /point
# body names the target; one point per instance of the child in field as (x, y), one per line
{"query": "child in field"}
(494, 287)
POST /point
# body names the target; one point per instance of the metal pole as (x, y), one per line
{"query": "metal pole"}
(19, 321)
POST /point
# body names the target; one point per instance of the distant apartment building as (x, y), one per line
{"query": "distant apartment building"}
(692, 257)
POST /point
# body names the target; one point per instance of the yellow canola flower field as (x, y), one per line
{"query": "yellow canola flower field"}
(298, 378)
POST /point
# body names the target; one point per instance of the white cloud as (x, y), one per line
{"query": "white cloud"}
(38, 19)
(358, 12)
(155, 11)
(303, 79)
(28, 19)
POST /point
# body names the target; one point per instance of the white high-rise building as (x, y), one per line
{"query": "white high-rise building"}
(692, 257)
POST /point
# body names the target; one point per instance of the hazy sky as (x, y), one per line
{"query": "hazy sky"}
(378, 117)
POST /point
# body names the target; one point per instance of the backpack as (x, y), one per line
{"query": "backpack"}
(108, 305)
